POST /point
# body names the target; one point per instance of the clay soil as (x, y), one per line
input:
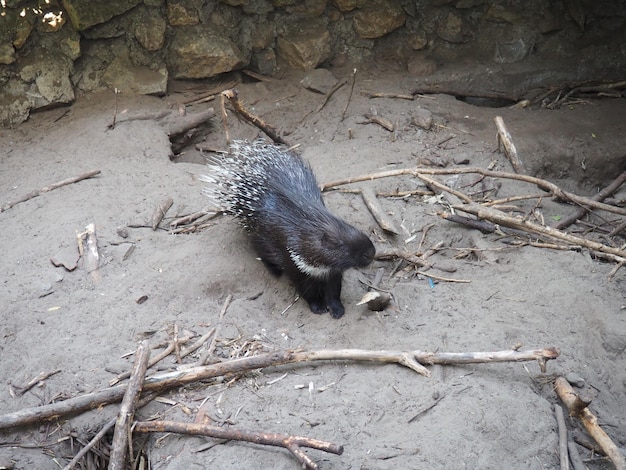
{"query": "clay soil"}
(487, 416)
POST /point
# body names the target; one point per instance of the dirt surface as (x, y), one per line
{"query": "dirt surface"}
(487, 416)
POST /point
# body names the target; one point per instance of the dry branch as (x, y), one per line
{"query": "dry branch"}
(551, 188)
(497, 217)
(122, 433)
(179, 125)
(162, 382)
(46, 189)
(292, 443)
(162, 355)
(381, 121)
(233, 98)
(38, 379)
(373, 94)
(510, 151)
(579, 409)
(385, 222)
(563, 453)
(160, 211)
(600, 196)
(103, 431)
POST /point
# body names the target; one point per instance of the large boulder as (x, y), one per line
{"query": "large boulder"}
(84, 15)
(378, 18)
(200, 53)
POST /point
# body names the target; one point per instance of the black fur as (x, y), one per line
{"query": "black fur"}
(275, 195)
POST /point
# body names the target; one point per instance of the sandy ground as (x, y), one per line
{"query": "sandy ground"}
(488, 416)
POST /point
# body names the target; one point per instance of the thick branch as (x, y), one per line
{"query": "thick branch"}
(579, 408)
(600, 196)
(498, 217)
(162, 382)
(127, 410)
(292, 443)
(552, 188)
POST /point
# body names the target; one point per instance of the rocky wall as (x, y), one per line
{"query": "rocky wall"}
(51, 50)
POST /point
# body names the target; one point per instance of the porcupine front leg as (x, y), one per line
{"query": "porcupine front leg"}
(332, 295)
(312, 290)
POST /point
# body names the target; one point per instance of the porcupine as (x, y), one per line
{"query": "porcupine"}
(274, 194)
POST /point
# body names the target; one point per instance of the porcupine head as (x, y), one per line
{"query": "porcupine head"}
(275, 196)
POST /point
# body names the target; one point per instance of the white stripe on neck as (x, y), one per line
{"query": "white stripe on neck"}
(319, 272)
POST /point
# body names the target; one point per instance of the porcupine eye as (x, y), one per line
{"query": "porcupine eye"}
(330, 243)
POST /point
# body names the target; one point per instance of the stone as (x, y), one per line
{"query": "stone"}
(84, 15)
(50, 73)
(417, 41)
(348, 5)
(307, 9)
(319, 80)
(70, 47)
(132, 79)
(422, 118)
(150, 32)
(264, 61)
(513, 51)
(256, 35)
(452, 29)
(7, 54)
(179, 14)
(14, 105)
(305, 48)
(575, 380)
(23, 28)
(501, 14)
(378, 18)
(67, 257)
(198, 53)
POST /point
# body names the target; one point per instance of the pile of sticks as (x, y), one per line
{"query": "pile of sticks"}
(140, 390)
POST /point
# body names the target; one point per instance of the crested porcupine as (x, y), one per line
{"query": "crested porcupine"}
(275, 196)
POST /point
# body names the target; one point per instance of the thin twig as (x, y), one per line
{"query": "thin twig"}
(205, 356)
(65, 182)
(345, 109)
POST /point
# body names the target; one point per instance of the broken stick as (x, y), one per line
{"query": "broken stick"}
(510, 151)
(88, 249)
(293, 444)
(125, 417)
(160, 211)
(579, 408)
(385, 222)
(256, 121)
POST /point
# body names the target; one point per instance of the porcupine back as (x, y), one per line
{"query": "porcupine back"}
(275, 196)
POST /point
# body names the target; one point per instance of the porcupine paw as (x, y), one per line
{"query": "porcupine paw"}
(336, 308)
(318, 307)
